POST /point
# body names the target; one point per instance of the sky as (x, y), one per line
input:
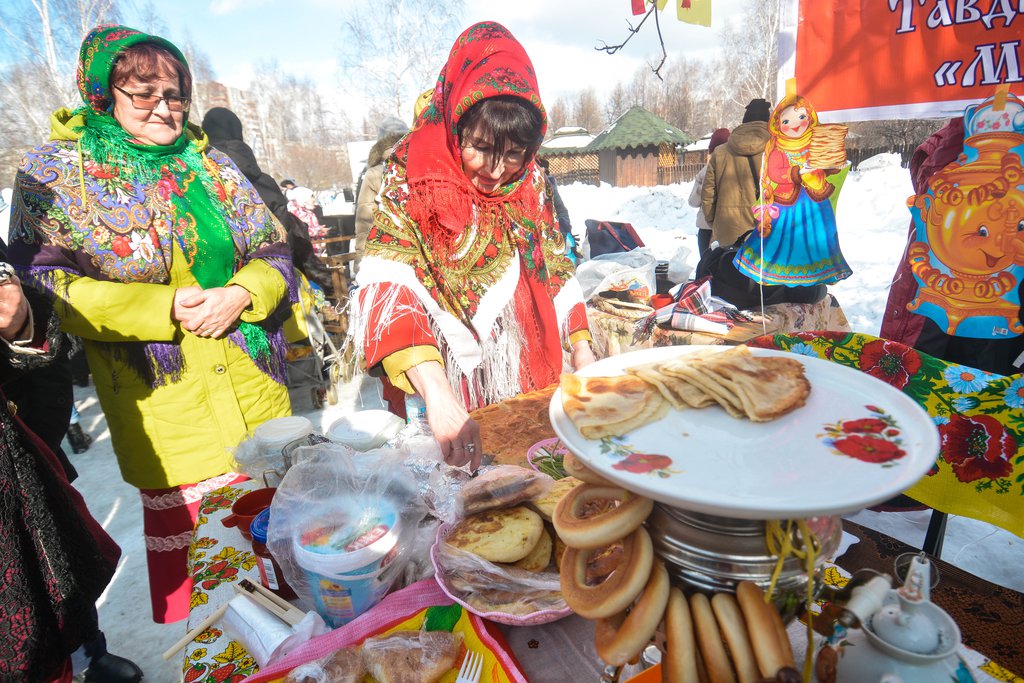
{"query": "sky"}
(302, 36)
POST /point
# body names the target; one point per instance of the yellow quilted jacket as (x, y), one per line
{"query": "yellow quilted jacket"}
(181, 432)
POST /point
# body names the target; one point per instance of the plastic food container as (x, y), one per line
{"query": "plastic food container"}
(365, 430)
(344, 557)
(245, 509)
(273, 435)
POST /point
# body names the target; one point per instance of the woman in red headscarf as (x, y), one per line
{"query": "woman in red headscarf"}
(467, 294)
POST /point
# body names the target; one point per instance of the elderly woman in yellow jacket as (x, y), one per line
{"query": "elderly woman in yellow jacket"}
(162, 257)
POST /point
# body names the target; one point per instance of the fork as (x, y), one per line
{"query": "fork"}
(472, 667)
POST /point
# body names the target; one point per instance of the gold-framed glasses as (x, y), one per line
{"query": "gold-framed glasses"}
(149, 102)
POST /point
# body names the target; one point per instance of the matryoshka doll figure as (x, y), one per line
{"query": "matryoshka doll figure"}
(796, 243)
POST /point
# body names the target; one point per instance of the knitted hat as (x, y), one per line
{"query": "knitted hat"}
(96, 60)
(718, 137)
(390, 126)
(757, 110)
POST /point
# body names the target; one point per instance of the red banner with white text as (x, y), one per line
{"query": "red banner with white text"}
(885, 59)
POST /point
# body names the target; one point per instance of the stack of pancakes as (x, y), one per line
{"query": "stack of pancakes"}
(757, 388)
(828, 146)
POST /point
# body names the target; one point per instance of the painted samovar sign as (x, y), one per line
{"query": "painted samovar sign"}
(969, 255)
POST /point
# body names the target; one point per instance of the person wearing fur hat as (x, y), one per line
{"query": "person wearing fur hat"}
(159, 254)
(733, 176)
(703, 227)
(466, 293)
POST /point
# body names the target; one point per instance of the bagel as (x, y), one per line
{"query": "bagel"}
(615, 593)
(574, 467)
(769, 653)
(709, 640)
(679, 665)
(734, 630)
(587, 533)
(780, 631)
(616, 641)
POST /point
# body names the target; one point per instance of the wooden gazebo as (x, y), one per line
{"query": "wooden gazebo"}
(567, 159)
(640, 149)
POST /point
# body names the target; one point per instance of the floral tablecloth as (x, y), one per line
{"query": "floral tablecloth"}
(979, 472)
(989, 616)
(218, 558)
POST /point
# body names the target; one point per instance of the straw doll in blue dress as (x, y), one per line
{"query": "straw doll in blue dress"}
(796, 242)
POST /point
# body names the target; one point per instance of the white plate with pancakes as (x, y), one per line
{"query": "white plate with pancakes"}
(851, 442)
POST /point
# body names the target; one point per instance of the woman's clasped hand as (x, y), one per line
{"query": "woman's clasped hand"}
(210, 312)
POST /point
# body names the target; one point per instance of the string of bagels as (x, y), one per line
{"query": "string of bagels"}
(726, 638)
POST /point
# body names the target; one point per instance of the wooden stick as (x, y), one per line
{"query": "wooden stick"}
(290, 616)
(269, 594)
(191, 635)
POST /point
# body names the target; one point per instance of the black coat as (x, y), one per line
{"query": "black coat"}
(224, 129)
(44, 398)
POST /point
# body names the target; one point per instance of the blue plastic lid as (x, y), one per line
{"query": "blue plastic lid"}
(259, 526)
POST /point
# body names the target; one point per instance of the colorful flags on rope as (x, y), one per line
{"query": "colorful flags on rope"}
(691, 11)
(694, 11)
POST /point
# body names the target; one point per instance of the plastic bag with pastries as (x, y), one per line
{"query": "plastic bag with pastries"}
(500, 486)
(488, 588)
(344, 666)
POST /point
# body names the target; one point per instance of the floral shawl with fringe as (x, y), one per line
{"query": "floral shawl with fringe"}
(488, 274)
(74, 216)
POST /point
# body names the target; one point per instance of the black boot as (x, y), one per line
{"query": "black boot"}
(79, 440)
(105, 667)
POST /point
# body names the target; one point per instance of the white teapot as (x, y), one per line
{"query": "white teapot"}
(903, 636)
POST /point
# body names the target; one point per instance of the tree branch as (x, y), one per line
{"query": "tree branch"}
(612, 49)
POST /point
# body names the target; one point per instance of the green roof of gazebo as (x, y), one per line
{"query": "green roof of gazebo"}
(638, 128)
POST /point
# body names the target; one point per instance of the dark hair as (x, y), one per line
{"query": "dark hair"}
(147, 61)
(509, 120)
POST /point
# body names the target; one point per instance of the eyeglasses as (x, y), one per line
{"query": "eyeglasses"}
(150, 102)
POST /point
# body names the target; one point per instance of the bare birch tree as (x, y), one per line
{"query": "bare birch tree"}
(392, 50)
(749, 64)
(587, 111)
(40, 40)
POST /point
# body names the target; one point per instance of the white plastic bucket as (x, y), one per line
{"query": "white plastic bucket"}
(274, 434)
(344, 556)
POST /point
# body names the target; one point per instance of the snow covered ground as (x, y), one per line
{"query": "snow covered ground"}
(872, 219)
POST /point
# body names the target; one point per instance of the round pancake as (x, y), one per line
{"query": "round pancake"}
(506, 535)
(546, 503)
(539, 558)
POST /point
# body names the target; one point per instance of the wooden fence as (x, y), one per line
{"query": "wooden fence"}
(576, 168)
(584, 168)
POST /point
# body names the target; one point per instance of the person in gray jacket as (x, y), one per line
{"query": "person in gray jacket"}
(719, 137)
(732, 181)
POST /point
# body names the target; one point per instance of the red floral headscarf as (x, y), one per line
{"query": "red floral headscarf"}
(485, 61)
